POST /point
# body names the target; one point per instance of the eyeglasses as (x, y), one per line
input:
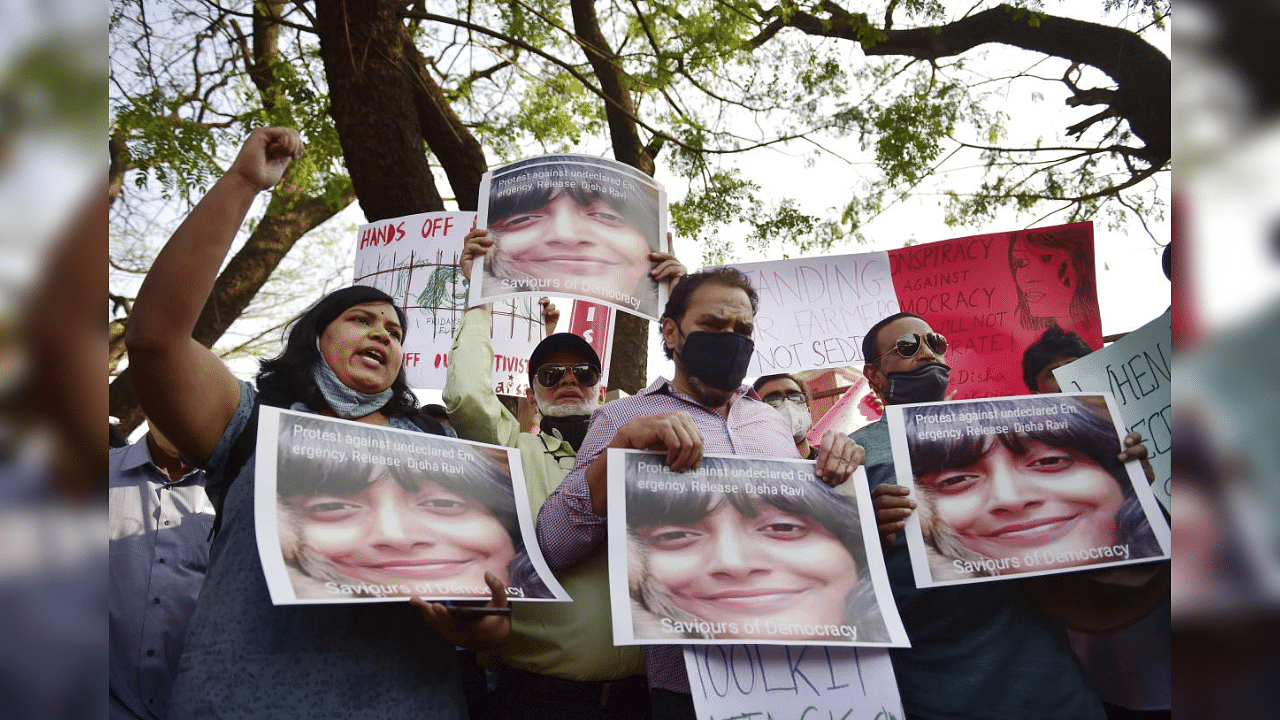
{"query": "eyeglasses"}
(795, 396)
(551, 374)
(908, 345)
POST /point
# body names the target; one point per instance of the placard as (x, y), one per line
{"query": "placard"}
(1138, 370)
(414, 259)
(349, 512)
(744, 550)
(757, 682)
(814, 312)
(993, 295)
(572, 225)
(1021, 486)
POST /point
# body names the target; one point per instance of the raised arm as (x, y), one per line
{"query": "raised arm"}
(183, 387)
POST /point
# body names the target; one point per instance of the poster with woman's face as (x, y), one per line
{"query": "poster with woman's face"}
(1021, 486)
(352, 512)
(572, 225)
(744, 551)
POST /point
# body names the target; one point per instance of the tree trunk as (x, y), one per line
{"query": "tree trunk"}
(628, 368)
(373, 91)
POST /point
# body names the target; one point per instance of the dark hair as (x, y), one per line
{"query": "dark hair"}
(486, 480)
(287, 378)
(1054, 344)
(1087, 429)
(763, 379)
(1067, 242)
(531, 192)
(870, 342)
(115, 438)
(812, 499)
(436, 411)
(678, 301)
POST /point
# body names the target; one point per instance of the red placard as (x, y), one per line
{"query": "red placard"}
(993, 295)
(594, 323)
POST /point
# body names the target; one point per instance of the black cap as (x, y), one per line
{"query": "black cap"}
(561, 341)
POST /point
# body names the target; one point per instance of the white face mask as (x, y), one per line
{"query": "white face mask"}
(797, 416)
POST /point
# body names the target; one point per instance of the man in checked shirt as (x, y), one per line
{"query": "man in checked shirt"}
(706, 330)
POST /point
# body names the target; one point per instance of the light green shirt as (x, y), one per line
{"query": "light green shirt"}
(574, 640)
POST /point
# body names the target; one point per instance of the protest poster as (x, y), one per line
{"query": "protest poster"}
(993, 295)
(756, 682)
(414, 259)
(593, 322)
(814, 312)
(1137, 369)
(1021, 486)
(572, 225)
(744, 550)
(349, 512)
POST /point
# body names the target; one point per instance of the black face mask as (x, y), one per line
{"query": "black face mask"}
(573, 428)
(924, 384)
(718, 359)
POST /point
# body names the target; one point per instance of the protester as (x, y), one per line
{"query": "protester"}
(988, 500)
(706, 329)
(159, 550)
(245, 657)
(1129, 668)
(1055, 347)
(439, 414)
(559, 661)
(789, 395)
(375, 527)
(983, 651)
(780, 555)
(593, 239)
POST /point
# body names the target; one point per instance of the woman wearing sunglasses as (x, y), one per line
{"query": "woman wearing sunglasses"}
(789, 396)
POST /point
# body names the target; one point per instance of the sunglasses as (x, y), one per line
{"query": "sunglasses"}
(908, 345)
(551, 374)
(776, 399)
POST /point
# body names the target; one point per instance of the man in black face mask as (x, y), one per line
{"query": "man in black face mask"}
(559, 660)
(705, 408)
(985, 651)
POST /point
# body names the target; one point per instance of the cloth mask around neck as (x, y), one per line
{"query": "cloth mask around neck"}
(718, 359)
(346, 402)
(924, 384)
(573, 428)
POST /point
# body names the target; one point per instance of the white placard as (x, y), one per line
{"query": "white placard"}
(815, 311)
(779, 682)
(572, 225)
(744, 550)
(1138, 370)
(1021, 486)
(349, 512)
(414, 259)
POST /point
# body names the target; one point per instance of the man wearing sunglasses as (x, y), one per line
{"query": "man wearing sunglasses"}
(559, 660)
(704, 408)
(984, 651)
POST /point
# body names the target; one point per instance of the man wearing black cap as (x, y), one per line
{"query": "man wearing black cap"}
(559, 661)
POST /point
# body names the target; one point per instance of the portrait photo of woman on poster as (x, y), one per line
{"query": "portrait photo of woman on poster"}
(768, 562)
(1049, 496)
(353, 529)
(562, 225)
(1053, 273)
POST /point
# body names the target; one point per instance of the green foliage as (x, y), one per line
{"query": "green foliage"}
(911, 128)
(725, 198)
